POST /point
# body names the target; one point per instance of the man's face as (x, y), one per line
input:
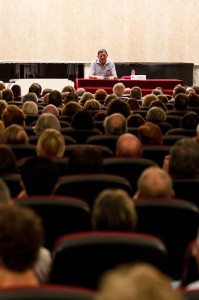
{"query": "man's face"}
(102, 57)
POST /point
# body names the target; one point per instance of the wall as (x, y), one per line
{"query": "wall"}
(73, 30)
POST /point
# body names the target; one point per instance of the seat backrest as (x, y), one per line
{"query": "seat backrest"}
(80, 135)
(60, 215)
(156, 153)
(174, 120)
(106, 152)
(170, 140)
(80, 259)
(104, 140)
(13, 182)
(187, 189)
(23, 150)
(182, 131)
(47, 292)
(88, 186)
(166, 219)
(129, 168)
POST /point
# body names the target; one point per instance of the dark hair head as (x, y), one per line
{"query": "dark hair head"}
(190, 120)
(39, 175)
(82, 119)
(21, 236)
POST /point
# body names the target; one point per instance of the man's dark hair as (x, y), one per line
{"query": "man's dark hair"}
(184, 159)
(21, 236)
(39, 174)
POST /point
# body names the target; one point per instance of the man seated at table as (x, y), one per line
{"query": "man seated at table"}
(102, 67)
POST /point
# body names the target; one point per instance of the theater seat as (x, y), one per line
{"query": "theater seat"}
(60, 215)
(80, 259)
(88, 186)
(166, 219)
(46, 292)
(129, 168)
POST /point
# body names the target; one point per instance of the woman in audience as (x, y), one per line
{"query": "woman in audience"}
(14, 134)
(46, 121)
(92, 105)
(29, 107)
(71, 108)
(139, 281)
(12, 114)
(8, 162)
(86, 96)
(114, 210)
(50, 143)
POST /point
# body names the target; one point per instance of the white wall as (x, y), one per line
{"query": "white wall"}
(73, 30)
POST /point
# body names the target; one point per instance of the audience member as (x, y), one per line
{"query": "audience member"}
(158, 103)
(7, 95)
(14, 134)
(51, 143)
(136, 93)
(119, 89)
(118, 106)
(80, 91)
(2, 85)
(55, 98)
(100, 95)
(129, 146)
(108, 99)
(156, 115)
(85, 159)
(102, 67)
(100, 115)
(163, 98)
(92, 105)
(183, 161)
(5, 195)
(30, 107)
(35, 88)
(181, 101)
(135, 120)
(46, 121)
(71, 96)
(114, 210)
(86, 96)
(157, 92)
(193, 99)
(154, 183)
(16, 89)
(68, 88)
(150, 134)
(190, 120)
(12, 114)
(71, 108)
(21, 238)
(133, 104)
(179, 89)
(138, 281)
(115, 124)
(30, 97)
(2, 128)
(82, 119)
(52, 109)
(39, 176)
(3, 105)
(148, 99)
(8, 161)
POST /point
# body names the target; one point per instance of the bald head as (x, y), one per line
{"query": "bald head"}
(154, 182)
(128, 145)
(115, 124)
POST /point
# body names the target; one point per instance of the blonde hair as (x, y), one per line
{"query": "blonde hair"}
(51, 143)
(14, 134)
(30, 107)
(139, 281)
